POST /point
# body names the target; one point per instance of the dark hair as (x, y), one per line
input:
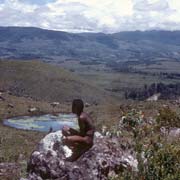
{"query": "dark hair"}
(78, 103)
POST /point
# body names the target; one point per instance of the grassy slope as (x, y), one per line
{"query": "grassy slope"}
(46, 82)
(42, 84)
(17, 145)
(15, 142)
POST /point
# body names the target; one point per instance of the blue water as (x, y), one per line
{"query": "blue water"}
(43, 123)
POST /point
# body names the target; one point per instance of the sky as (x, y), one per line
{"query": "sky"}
(108, 16)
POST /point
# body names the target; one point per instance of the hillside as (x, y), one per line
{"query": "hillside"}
(42, 81)
(55, 46)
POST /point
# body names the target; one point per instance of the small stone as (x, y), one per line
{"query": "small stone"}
(33, 109)
(54, 104)
(87, 104)
(10, 105)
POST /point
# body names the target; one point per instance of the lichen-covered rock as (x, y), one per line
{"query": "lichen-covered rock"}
(105, 159)
(51, 143)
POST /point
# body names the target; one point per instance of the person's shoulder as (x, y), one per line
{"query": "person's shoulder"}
(86, 118)
(83, 116)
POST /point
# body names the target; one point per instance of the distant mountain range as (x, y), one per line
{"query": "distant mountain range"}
(54, 46)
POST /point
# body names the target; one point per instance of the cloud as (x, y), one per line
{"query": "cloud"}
(92, 15)
(152, 14)
(39, 2)
(85, 15)
(151, 5)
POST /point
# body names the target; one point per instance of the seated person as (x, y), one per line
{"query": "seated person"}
(82, 141)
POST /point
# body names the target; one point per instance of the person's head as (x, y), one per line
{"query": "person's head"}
(77, 106)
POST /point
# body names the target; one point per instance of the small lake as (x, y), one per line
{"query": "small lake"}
(43, 123)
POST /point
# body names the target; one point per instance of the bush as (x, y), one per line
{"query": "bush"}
(163, 162)
(158, 158)
(168, 118)
(132, 119)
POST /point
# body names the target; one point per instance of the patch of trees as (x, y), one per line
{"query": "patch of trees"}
(162, 75)
(170, 75)
(90, 62)
(167, 91)
(119, 66)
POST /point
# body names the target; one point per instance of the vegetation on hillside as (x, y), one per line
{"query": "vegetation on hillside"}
(166, 91)
(158, 153)
(42, 81)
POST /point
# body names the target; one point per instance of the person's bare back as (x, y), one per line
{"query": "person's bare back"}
(80, 141)
(86, 127)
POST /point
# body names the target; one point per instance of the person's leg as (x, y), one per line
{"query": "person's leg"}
(70, 132)
(78, 151)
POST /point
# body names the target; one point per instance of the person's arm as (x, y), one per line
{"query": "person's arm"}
(67, 131)
(74, 132)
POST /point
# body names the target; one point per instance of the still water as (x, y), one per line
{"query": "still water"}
(43, 122)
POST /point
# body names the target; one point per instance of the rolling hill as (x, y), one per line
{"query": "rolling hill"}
(42, 81)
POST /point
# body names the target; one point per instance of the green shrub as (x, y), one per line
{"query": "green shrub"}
(158, 158)
(168, 118)
(163, 162)
(132, 119)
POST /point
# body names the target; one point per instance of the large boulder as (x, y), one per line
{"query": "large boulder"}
(105, 159)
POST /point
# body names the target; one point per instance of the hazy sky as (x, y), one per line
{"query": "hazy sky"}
(92, 15)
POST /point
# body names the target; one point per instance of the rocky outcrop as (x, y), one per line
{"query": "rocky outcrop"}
(171, 133)
(104, 160)
(154, 97)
